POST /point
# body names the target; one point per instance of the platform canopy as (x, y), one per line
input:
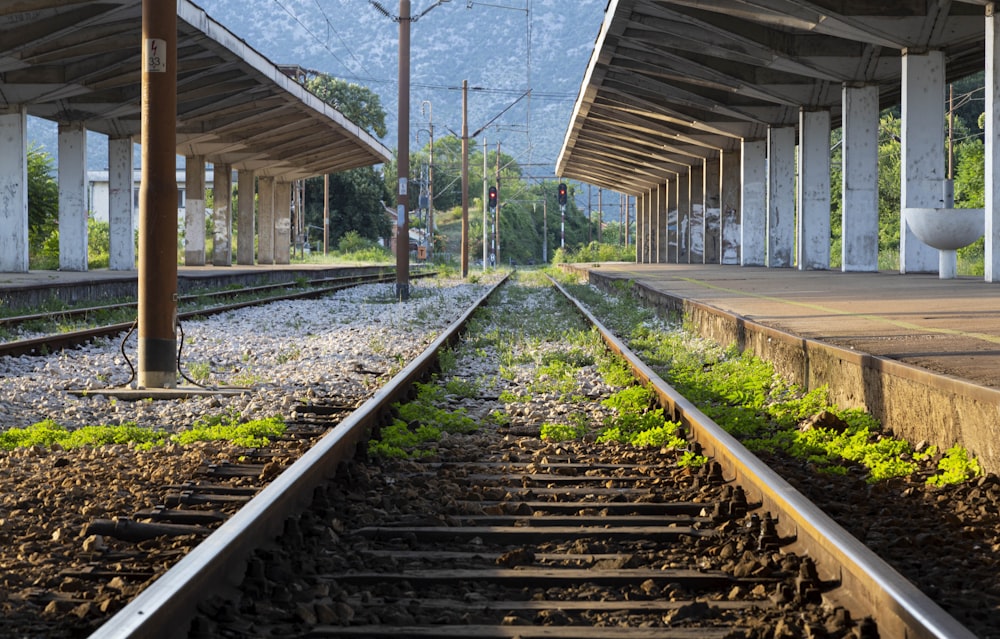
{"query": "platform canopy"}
(79, 62)
(672, 82)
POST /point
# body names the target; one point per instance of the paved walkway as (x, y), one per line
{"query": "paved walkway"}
(946, 326)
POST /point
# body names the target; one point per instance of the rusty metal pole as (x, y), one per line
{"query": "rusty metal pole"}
(158, 198)
(465, 178)
(403, 162)
(326, 213)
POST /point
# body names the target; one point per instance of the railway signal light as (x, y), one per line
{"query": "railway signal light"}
(562, 194)
(493, 198)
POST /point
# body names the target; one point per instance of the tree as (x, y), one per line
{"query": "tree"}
(358, 196)
(357, 200)
(43, 198)
(890, 186)
(359, 104)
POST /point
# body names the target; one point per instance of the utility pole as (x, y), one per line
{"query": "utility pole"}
(465, 178)
(326, 213)
(545, 232)
(430, 181)
(486, 205)
(157, 279)
(403, 141)
(496, 214)
(621, 215)
(628, 215)
(403, 161)
(600, 212)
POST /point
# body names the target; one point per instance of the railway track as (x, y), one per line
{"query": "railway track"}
(201, 304)
(501, 534)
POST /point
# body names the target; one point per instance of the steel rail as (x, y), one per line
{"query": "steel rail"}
(868, 586)
(165, 609)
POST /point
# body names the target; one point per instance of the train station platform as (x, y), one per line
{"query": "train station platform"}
(920, 353)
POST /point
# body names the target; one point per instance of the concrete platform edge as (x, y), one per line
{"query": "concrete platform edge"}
(912, 403)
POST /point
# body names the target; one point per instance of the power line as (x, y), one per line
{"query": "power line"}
(326, 45)
(329, 26)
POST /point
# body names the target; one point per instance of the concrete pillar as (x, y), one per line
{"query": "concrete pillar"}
(14, 187)
(222, 215)
(922, 162)
(245, 219)
(780, 196)
(671, 207)
(697, 223)
(73, 213)
(713, 224)
(859, 179)
(121, 218)
(684, 218)
(665, 222)
(992, 272)
(648, 235)
(753, 226)
(283, 223)
(729, 205)
(194, 211)
(265, 220)
(654, 217)
(658, 225)
(812, 241)
(640, 246)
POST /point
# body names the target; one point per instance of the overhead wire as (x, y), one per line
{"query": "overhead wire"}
(329, 26)
(325, 44)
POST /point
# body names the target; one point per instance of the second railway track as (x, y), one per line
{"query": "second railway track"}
(190, 306)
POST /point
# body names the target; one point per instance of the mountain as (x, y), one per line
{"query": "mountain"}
(486, 43)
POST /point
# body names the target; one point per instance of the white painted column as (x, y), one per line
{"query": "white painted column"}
(730, 207)
(653, 225)
(640, 242)
(713, 224)
(665, 222)
(265, 220)
(72, 197)
(245, 218)
(697, 223)
(922, 162)
(222, 215)
(647, 214)
(283, 223)
(684, 218)
(813, 228)
(14, 187)
(672, 219)
(661, 223)
(121, 216)
(859, 180)
(992, 143)
(194, 211)
(780, 196)
(753, 227)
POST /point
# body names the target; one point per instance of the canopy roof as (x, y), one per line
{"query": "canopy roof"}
(673, 82)
(75, 61)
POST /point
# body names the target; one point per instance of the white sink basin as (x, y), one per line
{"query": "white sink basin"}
(946, 229)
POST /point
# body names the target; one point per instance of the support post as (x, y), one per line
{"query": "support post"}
(158, 198)
(403, 163)
(465, 180)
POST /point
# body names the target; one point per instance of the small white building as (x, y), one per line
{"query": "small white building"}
(99, 194)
